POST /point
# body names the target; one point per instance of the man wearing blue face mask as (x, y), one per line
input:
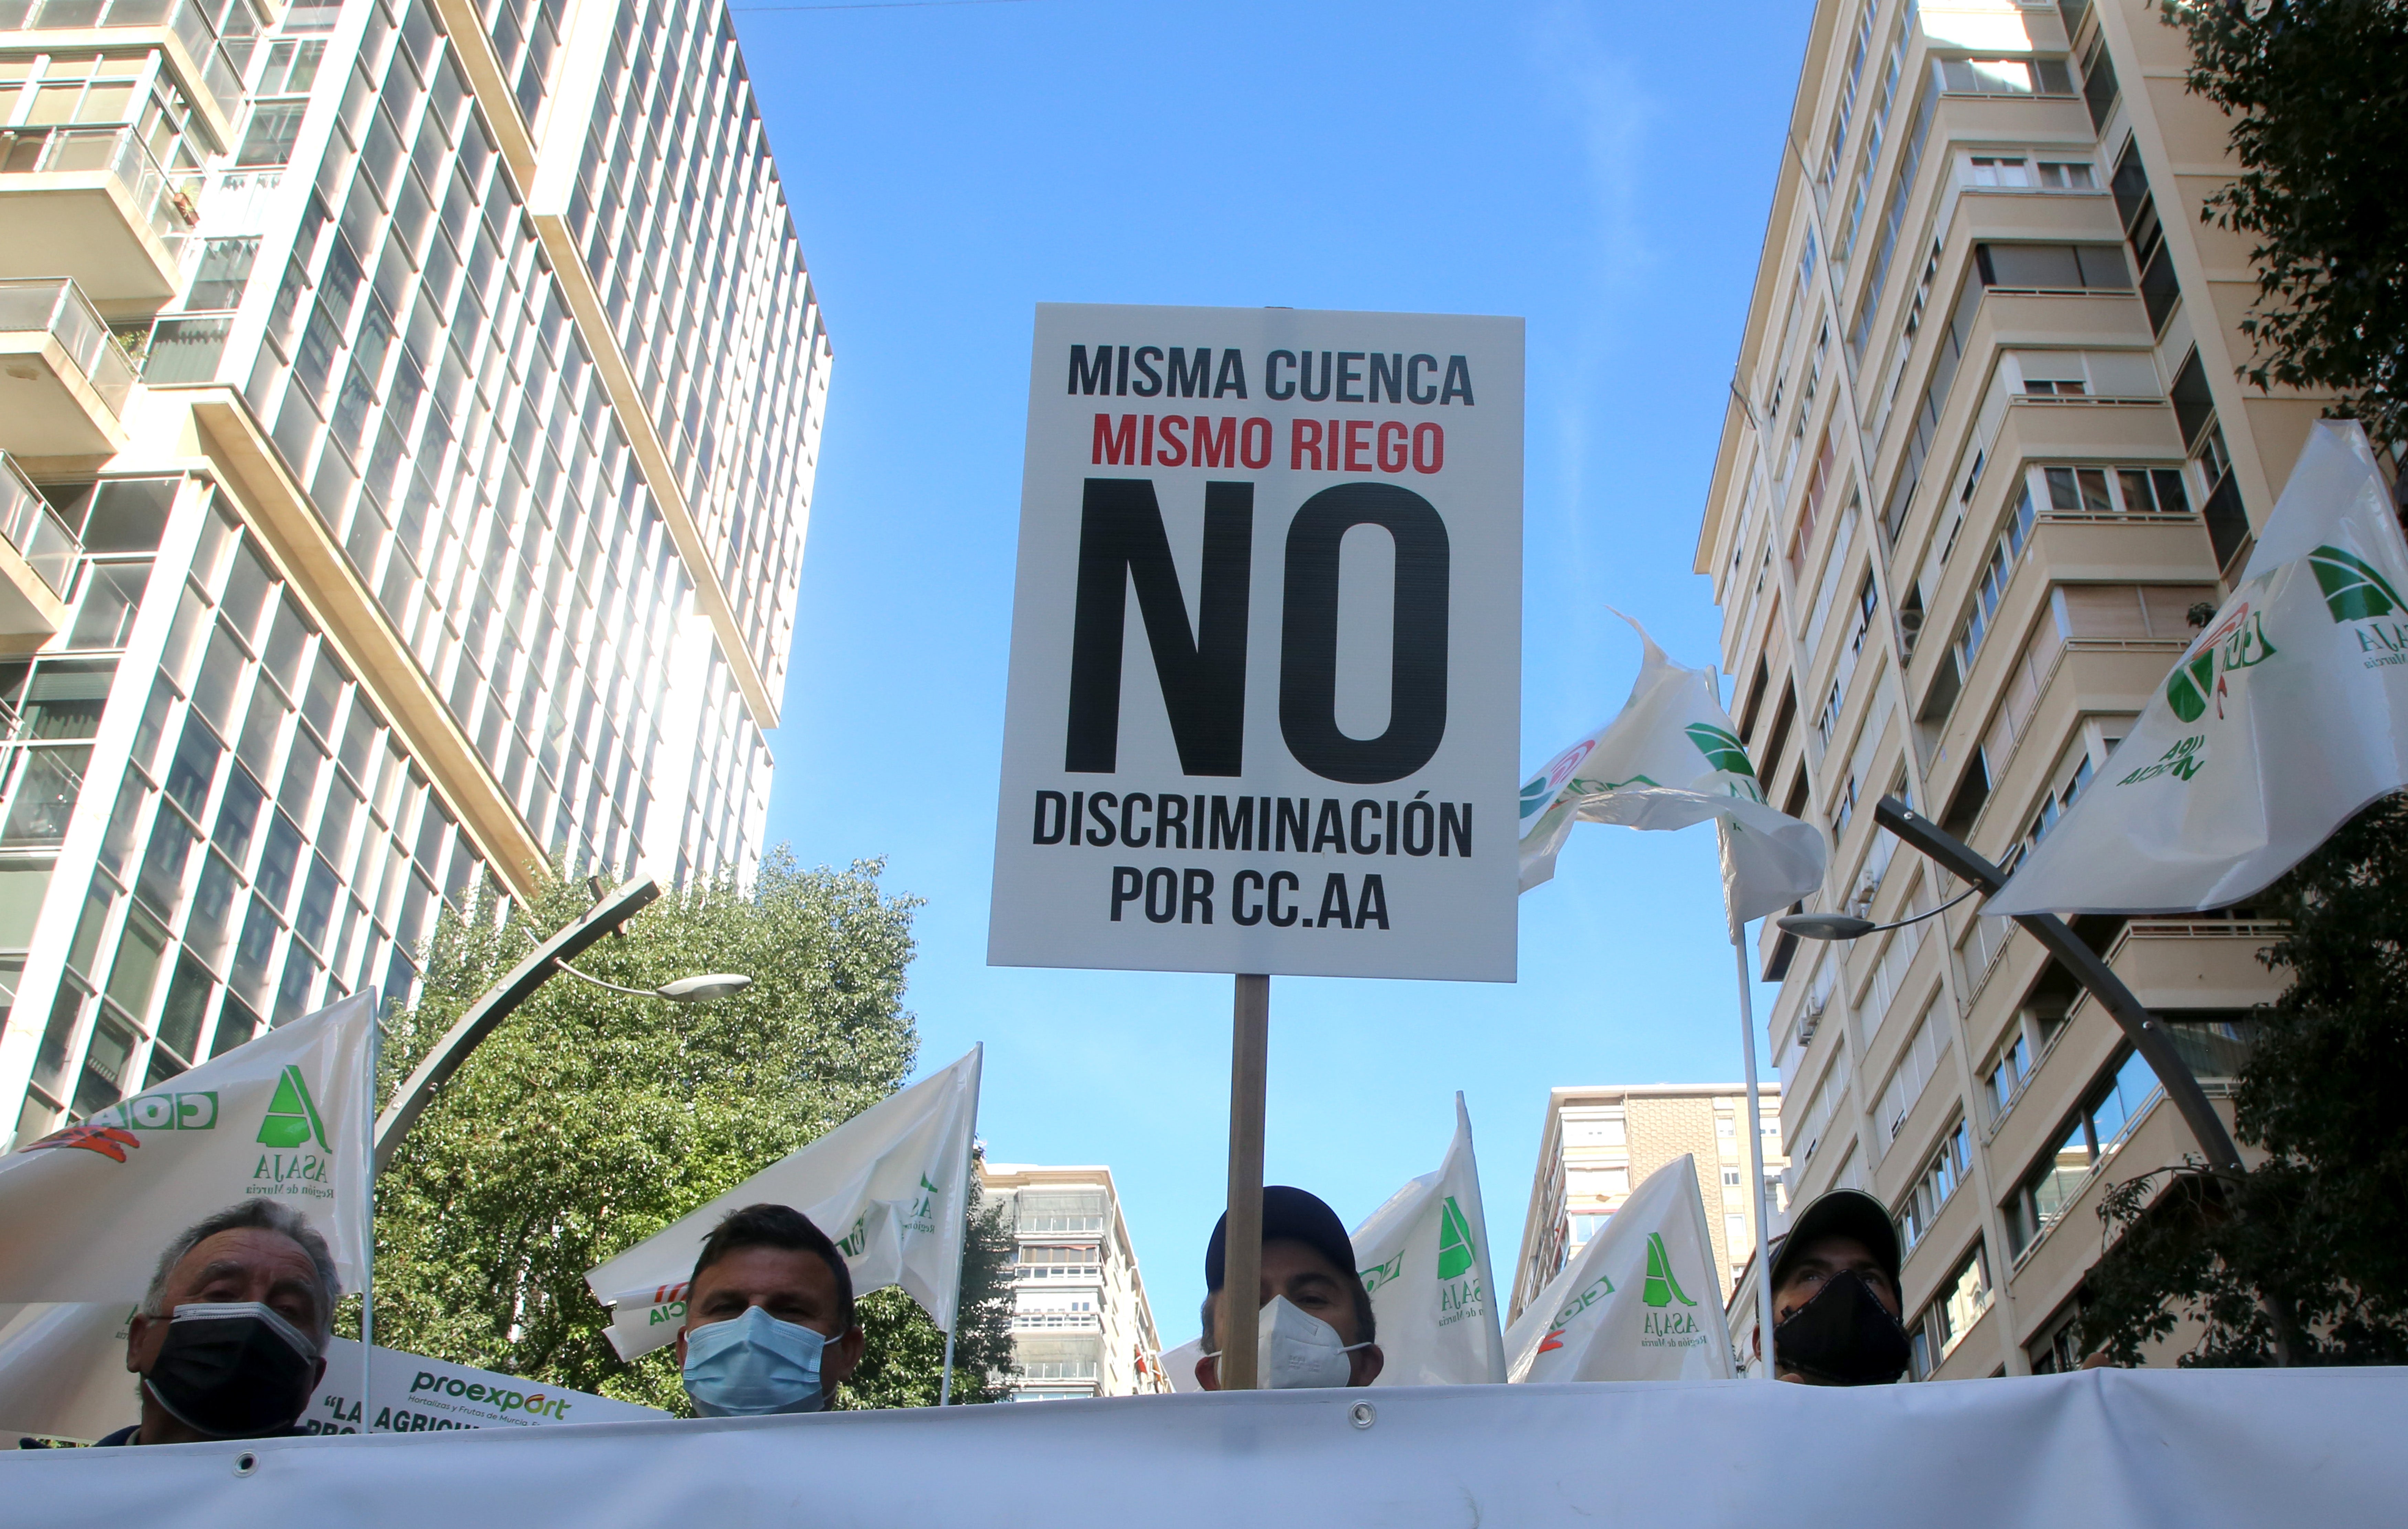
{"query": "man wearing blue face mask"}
(768, 1317)
(1316, 1327)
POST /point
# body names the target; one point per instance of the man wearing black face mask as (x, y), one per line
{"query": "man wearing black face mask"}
(1835, 1303)
(231, 1339)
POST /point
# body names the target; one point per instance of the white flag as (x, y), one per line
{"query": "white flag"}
(1424, 1256)
(890, 1185)
(2285, 716)
(63, 1370)
(1669, 760)
(1640, 1302)
(88, 1210)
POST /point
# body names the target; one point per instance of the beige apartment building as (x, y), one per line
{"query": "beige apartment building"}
(1598, 1144)
(1984, 454)
(1080, 1323)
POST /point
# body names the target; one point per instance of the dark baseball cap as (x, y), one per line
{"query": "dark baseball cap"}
(1841, 1213)
(1292, 1214)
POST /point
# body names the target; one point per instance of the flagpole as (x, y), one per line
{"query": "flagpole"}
(1249, 1072)
(961, 1244)
(1761, 1198)
(368, 1210)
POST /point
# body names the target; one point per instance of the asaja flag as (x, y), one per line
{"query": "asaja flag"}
(89, 1209)
(1424, 1256)
(2283, 717)
(1669, 760)
(1640, 1300)
(890, 1185)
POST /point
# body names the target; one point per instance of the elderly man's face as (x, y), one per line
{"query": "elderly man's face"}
(247, 1264)
(1816, 1264)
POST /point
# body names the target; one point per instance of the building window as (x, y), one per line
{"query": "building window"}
(274, 127)
(2099, 89)
(2066, 175)
(2091, 1136)
(1943, 1323)
(1991, 171)
(2003, 76)
(1934, 1186)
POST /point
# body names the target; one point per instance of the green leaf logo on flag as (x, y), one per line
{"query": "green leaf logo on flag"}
(1661, 1289)
(1455, 1252)
(2191, 684)
(1722, 748)
(2353, 589)
(292, 1115)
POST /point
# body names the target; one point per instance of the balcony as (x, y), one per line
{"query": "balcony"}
(111, 217)
(37, 566)
(209, 63)
(63, 381)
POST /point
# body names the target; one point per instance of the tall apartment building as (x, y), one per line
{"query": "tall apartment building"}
(394, 395)
(1080, 1323)
(1984, 453)
(1598, 1144)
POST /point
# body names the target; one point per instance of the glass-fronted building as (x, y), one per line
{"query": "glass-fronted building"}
(393, 397)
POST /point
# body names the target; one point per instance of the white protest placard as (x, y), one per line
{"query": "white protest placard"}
(411, 1394)
(1266, 645)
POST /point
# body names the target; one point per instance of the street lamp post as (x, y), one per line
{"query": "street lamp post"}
(608, 913)
(2146, 1031)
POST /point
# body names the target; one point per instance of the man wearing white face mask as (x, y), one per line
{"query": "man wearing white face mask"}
(1316, 1327)
(768, 1318)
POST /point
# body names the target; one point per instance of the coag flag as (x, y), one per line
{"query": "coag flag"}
(1641, 1301)
(890, 1185)
(1669, 760)
(2285, 717)
(88, 1209)
(1424, 1256)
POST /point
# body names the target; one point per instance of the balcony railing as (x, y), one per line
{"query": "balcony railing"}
(220, 70)
(59, 307)
(43, 540)
(164, 202)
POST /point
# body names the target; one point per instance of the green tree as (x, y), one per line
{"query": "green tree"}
(2319, 1230)
(2319, 110)
(589, 1121)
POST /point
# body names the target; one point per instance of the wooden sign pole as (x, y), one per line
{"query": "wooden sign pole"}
(1247, 1077)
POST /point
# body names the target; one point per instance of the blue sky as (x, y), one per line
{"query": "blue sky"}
(1602, 170)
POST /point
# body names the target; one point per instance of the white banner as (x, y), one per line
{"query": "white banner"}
(88, 1210)
(2283, 717)
(1639, 1301)
(890, 1185)
(1266, 645)
(1424, 1256)
(410, 1393)
(2104, 1449)
(1668, 759)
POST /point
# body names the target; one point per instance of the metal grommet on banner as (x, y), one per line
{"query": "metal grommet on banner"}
(245, 1462)
(1364, 1414)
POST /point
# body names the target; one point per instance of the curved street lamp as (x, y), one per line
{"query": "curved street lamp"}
(1843, 926)
(471, 1030)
